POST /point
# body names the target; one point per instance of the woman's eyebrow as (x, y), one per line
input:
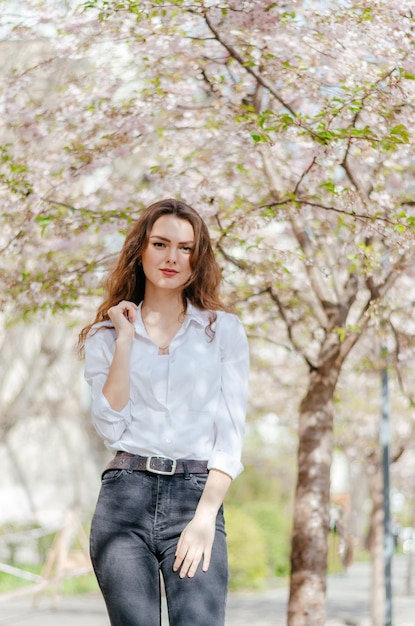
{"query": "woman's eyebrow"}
(169, 240)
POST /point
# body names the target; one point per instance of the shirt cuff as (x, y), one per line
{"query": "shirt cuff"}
(225, 463)
(110, 424)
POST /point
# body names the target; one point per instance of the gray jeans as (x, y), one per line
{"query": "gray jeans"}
(135, 529)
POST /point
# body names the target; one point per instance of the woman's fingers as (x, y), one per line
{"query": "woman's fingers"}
(191, 566)
(188, 563)
(123, 317)
(206, 559)
(195, 542)
(126, 308)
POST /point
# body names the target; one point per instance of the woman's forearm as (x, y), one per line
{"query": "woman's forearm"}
(197, 538)
(117, 386)
(214, 493)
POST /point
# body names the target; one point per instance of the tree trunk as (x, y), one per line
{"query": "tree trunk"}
(311, 509)
(410, 559)
(21, 477)
(377, 586)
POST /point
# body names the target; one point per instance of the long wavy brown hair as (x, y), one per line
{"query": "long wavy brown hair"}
(126, 280)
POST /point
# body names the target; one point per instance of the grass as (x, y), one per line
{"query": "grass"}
(70, 586)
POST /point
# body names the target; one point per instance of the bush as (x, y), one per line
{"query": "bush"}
(262, 495)
(275, 523)
(247, 550)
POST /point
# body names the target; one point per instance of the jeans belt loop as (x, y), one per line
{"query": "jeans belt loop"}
(186, 471)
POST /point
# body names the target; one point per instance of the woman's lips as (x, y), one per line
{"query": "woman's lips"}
(169, 272)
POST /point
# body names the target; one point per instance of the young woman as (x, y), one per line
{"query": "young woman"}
(168, 367)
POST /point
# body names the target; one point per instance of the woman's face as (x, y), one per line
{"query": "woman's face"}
(166, 258)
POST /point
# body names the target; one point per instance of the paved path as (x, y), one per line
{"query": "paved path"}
(347, 604)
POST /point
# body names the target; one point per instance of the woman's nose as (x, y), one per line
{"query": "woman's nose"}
(172, 255)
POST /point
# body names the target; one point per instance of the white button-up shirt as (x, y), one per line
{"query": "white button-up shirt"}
(189, 404)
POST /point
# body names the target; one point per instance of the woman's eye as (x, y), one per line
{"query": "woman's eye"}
(158, 244)
(186, 248)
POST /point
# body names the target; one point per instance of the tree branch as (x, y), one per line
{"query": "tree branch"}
(242, 265)
(290, 327)
(251, 70)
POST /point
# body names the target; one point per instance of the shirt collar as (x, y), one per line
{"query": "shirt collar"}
(199, 316)
(192, 314)
(138, 322)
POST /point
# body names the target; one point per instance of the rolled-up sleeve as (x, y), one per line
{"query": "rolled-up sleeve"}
(230, 418)
(99, 352)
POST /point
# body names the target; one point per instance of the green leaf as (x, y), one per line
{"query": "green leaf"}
(328, 185)
(257, 137)
(400, 131)
(405, 74)
(341, 332)
(42, 219)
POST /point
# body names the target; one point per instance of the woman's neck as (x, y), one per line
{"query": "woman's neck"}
(163, 304)
(162, 315)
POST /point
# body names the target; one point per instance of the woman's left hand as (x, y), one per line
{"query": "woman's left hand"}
(195, 542)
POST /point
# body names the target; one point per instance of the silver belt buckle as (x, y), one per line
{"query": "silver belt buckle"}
(162, 472)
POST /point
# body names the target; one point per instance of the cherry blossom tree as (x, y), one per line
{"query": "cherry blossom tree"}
(358, 405)
(287, 125)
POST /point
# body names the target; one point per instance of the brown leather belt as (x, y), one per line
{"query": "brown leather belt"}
(156, 464)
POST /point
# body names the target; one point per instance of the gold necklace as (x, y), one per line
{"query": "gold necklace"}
(162, 349)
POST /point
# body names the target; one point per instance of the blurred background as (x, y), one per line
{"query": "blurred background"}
(296, 145)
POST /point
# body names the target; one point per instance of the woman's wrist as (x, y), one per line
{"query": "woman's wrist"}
(206, 510)
(124, 340)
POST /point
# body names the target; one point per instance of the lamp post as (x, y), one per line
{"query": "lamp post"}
(385, 442)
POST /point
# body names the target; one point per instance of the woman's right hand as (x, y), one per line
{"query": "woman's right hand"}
(123, 316)
(116, 388)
